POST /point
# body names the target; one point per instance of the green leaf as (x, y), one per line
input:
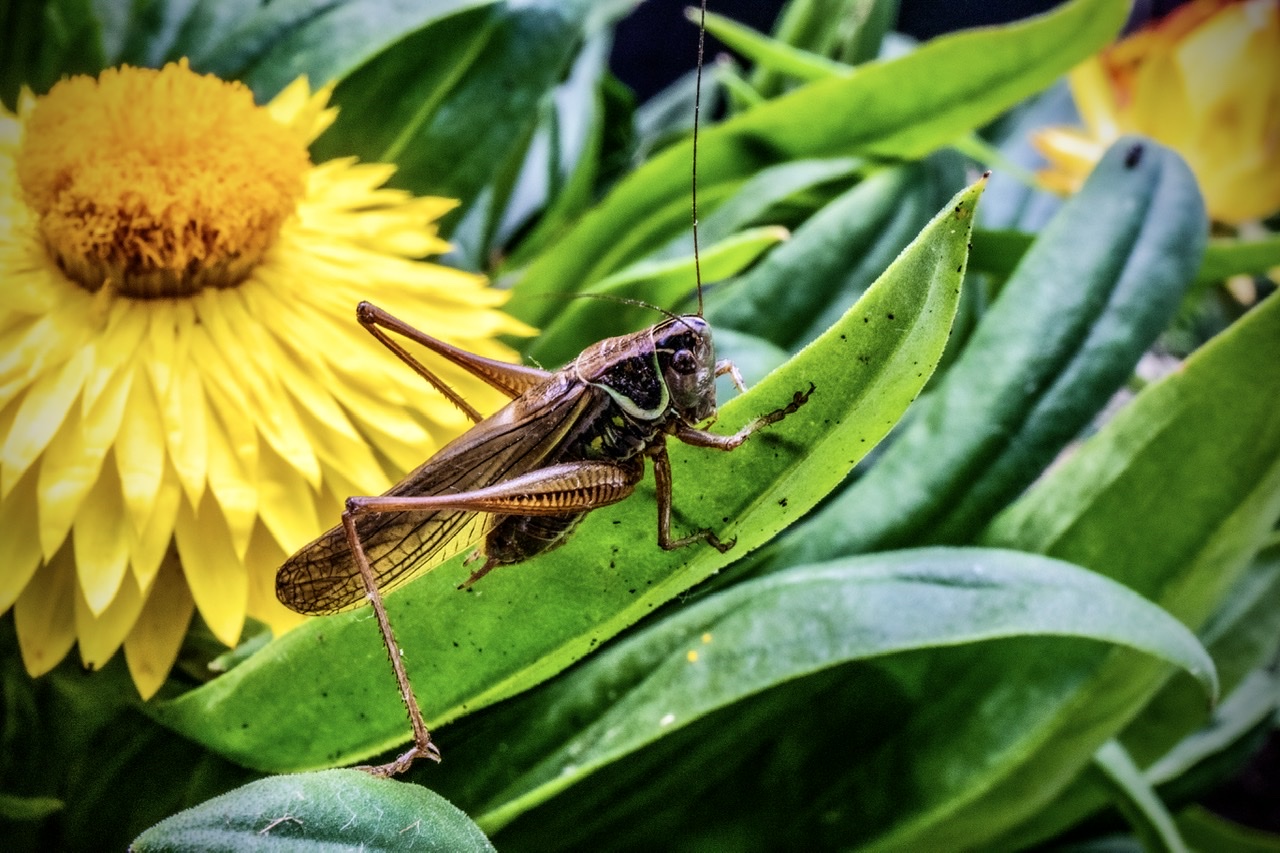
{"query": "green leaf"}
(1140, 805)
(45, 40)
(1096, 289)
(831, 259)
(659, 282)
(807, 24)
(15, 807)
(1180, 750)
(1243, 635)
(772, 54)
(1250, 706)
(1227, 257)
(902, 108)
(420, 102)
(269, 46)
(321, 694)
(764, 633)
(334, 809)
(999, 252)
(1207, 831)
(1172, 498)
(758, 197)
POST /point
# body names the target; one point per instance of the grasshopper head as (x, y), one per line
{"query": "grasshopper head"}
(687, 360)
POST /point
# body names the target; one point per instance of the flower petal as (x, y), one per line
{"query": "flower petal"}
(68, 471)
(101, 635)
(148, 547)
(286, 505)
(152, 646)
(73, 462)
(227, 397)
(44, 615)
(214, 573)
(232, 487)
(19, 550)
(116, 348)
(43, 409)
(139, 451)
(263, 559)
(27, 349)
(235, 328)
(100, 543)
(184, 416)
(1095, 100)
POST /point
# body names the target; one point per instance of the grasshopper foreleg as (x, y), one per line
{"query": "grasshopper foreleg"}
(704, 438)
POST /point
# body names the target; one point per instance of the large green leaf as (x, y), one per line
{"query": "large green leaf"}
(1171, 738)
(1173, 498)
(1100, 283)
(321, 694)
(902, 108)
(270, 45)
(330, 810)
(420, 104)
(767, 632)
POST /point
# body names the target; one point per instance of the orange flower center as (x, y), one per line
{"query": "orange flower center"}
(158, 183)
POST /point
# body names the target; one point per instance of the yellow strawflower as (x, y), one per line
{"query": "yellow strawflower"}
(1205, 81)
(185, 395)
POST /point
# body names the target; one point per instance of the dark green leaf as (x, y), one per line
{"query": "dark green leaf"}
(270, 45)
(1173, 498)
(999, 252)
(1207, 831)
(330, 810)
(1100, 283)
(768, 632)
(45, 40)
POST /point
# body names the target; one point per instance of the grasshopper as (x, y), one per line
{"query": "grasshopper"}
(518, 481)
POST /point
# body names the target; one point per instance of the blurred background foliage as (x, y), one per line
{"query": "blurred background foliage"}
(981, 637)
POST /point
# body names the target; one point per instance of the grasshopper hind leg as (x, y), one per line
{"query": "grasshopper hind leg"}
(423, 747)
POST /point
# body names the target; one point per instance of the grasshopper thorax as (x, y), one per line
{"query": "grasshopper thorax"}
(666, 371)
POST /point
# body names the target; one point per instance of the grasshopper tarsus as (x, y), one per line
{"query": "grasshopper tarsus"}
(489, 565)
(404, 761)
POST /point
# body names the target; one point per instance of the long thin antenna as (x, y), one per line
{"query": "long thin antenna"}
(697, 107)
